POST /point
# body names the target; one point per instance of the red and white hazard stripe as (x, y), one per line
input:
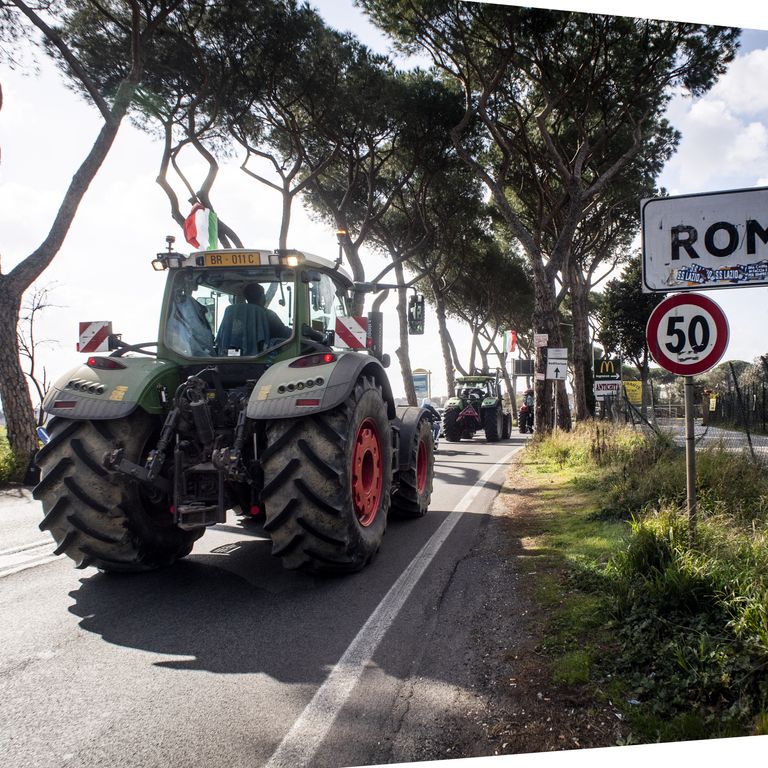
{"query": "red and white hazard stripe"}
(352, 332)
(94, 336)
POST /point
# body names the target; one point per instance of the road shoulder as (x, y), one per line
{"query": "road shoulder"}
(501, 698)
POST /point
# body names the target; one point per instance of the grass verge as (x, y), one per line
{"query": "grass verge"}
(9, 468)
(672, 633)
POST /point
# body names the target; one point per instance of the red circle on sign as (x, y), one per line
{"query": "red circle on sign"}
(692, 364)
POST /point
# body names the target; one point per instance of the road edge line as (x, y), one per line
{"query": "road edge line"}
(308, 731)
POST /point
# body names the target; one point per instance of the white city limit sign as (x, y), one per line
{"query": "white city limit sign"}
(705, 241)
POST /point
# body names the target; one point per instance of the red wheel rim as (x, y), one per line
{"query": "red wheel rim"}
(367, 473)
(421, 467)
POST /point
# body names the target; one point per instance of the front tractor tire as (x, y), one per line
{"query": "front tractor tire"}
(327, 481)
(415, 491)
(99, 518)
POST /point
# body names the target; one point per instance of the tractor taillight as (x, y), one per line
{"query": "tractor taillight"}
(104, 363)
(308, 402)
(312, 360)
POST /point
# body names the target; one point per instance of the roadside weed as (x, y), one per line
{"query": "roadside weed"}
(687, 625)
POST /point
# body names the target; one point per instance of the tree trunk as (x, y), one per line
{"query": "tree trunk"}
(473, 350)
(17, 402)
(285, 220)
(14, 393)
(445, 341)
(582, 354)
(403, 352)
(545, 320)
(508, 383)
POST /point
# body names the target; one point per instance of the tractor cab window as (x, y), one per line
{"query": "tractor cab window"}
(327, 300)
(230, 312)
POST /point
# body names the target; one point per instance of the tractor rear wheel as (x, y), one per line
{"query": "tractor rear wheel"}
(415, 491)
(506, 432)
(493, 425)
(102, 518)
(327, 481)
(452, 428)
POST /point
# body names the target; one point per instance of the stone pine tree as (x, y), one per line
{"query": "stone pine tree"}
(136, 30)
(567, 102)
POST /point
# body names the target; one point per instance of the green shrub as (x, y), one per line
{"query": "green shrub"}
(687, 620)
(9, 466)
(693, 622)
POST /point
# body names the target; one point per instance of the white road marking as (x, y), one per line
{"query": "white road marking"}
(41, 542)
(305, 736)
(23, 556)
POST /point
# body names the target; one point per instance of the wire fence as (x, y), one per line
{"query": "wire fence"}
(735, 421)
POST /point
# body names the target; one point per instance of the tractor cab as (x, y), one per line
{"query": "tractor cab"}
(250, 304)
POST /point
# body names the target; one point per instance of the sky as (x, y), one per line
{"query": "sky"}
(103, 271)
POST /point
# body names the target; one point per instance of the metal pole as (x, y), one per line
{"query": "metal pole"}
(690, 458)
(554, 395)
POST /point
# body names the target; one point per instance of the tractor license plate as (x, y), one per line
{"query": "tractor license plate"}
(235, 259)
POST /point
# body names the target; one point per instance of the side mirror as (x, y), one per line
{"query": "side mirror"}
(416, 314)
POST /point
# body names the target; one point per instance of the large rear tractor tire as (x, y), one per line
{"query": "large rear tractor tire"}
(101, 518)
(493, 424)
(506, 432)
(452, 428)
(327, 481)
(415, 492)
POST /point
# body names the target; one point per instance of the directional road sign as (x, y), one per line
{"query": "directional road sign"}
(557, 363)
(556, 369)
(608, 369)
(687, 334)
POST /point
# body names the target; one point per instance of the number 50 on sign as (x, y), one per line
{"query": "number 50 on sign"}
(687, 334)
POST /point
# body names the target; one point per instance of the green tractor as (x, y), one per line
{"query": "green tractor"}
(476, 406)
(261, 395)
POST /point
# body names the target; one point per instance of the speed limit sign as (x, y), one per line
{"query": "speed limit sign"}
(687, 334)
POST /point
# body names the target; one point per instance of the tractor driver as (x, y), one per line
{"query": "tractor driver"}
(254, 294)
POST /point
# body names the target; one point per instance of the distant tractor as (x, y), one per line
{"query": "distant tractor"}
(477, 405)
(261, 395)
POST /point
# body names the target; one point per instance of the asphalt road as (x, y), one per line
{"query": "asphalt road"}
(226, 659)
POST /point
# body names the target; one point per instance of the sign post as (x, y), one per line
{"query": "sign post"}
(687, 334)
(557, 367)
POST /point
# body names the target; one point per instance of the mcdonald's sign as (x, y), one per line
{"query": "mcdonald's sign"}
(608, 369)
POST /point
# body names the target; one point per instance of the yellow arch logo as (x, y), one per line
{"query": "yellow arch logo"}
(607, 366)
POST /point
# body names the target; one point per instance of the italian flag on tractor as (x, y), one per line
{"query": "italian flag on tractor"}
(201, 228)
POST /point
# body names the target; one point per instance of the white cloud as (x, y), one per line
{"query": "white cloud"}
(749, 146)
(742, 88)
(725, 139)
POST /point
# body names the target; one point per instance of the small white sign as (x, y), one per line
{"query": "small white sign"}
(603, 389)
(540, 339)
(556, 369)
(557, 353)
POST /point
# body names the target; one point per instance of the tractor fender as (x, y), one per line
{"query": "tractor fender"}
(288, 392)
(95, 393)
(409, 418)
